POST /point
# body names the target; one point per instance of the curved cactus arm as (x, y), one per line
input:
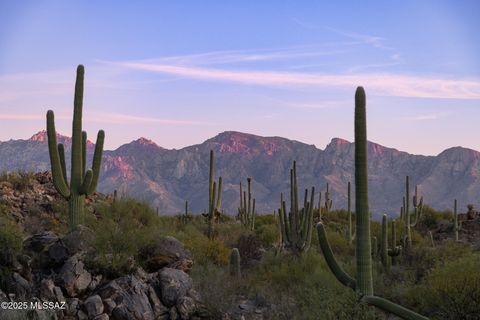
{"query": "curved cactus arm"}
(87, 181)
(84, 152)
(61, 153)
(58, 178)
(332, 263)
(97, 160)
(393, 308)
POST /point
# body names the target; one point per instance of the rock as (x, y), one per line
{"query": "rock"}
(95, 282)
(109, 305)
(78, 240)
(18, 285)
(132, 298)
(102, 316)
(166, 252)
(173, 314)
(38, 242)
(72, 306)
(186, 307)
(58, 253)
(81, 315)
(73, 277)
(94, 306)
(174, 284)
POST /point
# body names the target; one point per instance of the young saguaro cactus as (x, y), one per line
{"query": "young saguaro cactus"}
(82, 182)
(363, 283)
(234, 263)
(185, 216)
(457, 225)
(246, 211)
(296, 228)
(417, 207)
(214, 199)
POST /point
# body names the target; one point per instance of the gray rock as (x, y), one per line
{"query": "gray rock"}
(38, 242)
(72, 306)
(174, 284)
(95, 282)
(81, 315)
(166, 252)
(78, 240)
(102, 316)
(132, 298)
(58, 253)
(73, 277)
(94, 306)
(173, 314)
(186, 307)
(109, 305)
(18, 285)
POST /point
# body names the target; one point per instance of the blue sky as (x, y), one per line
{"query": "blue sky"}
(179, 72)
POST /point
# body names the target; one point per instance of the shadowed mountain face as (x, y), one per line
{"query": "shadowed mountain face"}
(166, 178)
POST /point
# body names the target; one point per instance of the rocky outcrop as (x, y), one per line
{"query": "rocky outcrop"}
(56, 271)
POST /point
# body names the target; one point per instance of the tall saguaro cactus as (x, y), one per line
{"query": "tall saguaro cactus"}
(363, 283)
(351, 235)
(214, 199)
(82, 182)
(296, 228)
(246, 211)
(417, 210)
(395, 250)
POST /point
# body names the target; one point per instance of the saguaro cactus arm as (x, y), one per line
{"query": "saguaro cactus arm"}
(332, 263)
(56, 162)
(393, 308)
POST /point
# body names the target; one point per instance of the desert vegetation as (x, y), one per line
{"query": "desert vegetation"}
(422, 263)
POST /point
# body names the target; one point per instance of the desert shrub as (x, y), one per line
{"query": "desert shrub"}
(268, 234)
(120, 231)
(11, 238)
(431, 217)
(250, 247)
(207, 251)
(21, 180)
(451, 291)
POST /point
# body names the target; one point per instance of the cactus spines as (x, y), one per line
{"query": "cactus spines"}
(457, 225)
(364, 280)
(234, 263)
(246, 211)
(395, 250)
(214, 199)
(82, 182)
(298, 224)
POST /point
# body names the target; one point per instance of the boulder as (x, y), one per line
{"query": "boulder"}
(166, 252)
(94, 306)
(132, 298)
(174, 284)
(73, 277)
(38, 242)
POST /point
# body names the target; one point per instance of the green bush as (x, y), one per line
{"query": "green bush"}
(122, 228)
(451, 291)
(21, 180)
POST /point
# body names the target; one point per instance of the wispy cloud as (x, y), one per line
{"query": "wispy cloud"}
(427, 117)
(379, 84)
(107, 117)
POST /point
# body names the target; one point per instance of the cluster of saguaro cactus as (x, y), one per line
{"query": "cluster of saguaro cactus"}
(363, 283)
(83, 182)
(296, 227)
(395, 250)
(457, 224)
(234, 263)
(214, 199)
(246, 211)
(405, 212)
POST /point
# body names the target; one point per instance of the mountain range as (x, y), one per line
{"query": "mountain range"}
(167, 177)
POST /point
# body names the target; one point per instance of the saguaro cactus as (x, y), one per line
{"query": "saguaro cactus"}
(384, 249)
(351, 235)
(82, 182)
(297, 226)
(185, 216)
(246, 211)
(363, 283)
(234, 263)
(418, 209)
(214, 199)
(457, 225)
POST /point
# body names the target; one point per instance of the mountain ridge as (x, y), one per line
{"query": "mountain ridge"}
(167, 177)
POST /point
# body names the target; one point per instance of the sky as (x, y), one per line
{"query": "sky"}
(180, 72)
